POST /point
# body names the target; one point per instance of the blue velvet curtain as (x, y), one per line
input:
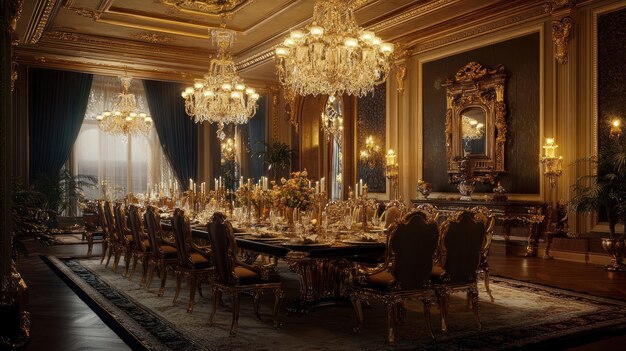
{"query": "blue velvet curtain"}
(57, 101)
(257, 136)
(177, 132)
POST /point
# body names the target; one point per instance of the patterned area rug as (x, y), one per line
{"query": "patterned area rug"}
(522, 314)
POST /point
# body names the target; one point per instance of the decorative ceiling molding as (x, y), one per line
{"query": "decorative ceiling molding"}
(530, 14)
(38, 21)
(152, 37)
(411, 14)
(85, 12)
(207, 7)
(254, 60)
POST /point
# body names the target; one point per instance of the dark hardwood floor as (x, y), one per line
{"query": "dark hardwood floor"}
(61, 321)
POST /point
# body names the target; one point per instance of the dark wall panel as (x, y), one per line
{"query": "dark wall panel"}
(611, 70)
(521, 60)
(372, 120)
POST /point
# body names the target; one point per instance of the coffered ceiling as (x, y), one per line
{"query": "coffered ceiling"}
(168, 39)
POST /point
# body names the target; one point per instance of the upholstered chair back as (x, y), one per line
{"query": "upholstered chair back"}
(392, 213)
(136, 226)
(110, 221)
(103, 220)
(223, 247)
(182, 234)
(463, 242)
(152, 222)
(121, 224)
(413, 240)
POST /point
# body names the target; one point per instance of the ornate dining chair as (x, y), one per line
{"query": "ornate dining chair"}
(115, 246)
(125, 241)
(394, 210)
(465, 239)
(235, 277)
(194, 262)
(142, 249)
(164, 254)
(107, 248)
(405, 274)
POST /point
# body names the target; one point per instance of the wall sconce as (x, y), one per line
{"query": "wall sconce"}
(616, 128)
(370, 152)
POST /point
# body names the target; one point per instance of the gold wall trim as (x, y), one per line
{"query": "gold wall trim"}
(39, 21)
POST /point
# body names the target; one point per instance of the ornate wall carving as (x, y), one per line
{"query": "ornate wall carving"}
(561, 32)
(372, 120)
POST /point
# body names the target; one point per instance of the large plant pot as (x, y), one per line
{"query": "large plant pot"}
(615, 248)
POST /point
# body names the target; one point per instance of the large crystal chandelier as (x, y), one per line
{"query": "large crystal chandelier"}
(126, 119)
(333, 55)
(221, 96)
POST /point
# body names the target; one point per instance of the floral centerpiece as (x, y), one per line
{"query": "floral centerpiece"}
(296, 193)
(243, 195)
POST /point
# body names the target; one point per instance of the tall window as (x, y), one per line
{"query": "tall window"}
(123, 165)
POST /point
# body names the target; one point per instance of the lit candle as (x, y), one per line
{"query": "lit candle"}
(220, 184)
(216, 183)
(240, 181)
(360, 187)
(391, 157)
(317, 187)
(190, 184)
(550, 148)
(323, 184)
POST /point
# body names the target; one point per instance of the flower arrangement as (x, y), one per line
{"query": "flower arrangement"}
(243, 195)
(295, 192)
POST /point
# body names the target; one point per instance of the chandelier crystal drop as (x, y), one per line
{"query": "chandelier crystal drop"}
(221, 96)
(332, 120)
(333, 55)
(126, 119)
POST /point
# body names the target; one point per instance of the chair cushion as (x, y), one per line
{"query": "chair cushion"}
(199, 261)
(380, 281)
(129, 238)
(247, 276)
(435, 275)
(168, 251)
(146, 244)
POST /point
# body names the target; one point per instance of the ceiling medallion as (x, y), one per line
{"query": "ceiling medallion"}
(333, 55)
(211, 7)
(221, 96)
(125, 120)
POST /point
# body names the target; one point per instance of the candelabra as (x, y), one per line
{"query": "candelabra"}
(552, 170)
(392, 173)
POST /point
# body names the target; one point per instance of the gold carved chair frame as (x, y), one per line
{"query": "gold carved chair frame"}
(476, 87)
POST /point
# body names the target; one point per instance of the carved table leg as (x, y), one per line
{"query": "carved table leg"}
(533, 240)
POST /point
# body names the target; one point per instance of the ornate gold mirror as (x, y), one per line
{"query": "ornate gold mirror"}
(476, 121)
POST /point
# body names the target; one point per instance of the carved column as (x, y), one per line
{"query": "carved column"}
(15, 321)
(395, 135)
(561, 123)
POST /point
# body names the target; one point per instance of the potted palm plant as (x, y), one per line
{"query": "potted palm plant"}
(277, 157)
(605, 193)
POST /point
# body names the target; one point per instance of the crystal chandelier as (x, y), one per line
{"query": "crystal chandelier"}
(471, 128)
(228, 149)
(221, 96)
(333, 55)
(332, 120)
(125, 120)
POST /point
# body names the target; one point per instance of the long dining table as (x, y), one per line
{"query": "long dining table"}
(324, 270)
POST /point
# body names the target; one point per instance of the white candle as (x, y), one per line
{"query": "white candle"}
(190, 184)
(317, 187)
(220, 184)
(323, 184)
(360, 187)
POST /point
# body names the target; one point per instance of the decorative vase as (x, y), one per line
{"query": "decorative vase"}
(425, 193)
(466, 188)
(615, 248)
(289, 215)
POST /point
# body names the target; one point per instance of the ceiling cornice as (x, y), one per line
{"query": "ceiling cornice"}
(39, 20)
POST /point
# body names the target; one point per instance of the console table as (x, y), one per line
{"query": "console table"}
(531, 213)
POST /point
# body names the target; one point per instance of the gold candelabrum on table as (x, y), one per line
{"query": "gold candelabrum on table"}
(362, 203)
(552, 170)
(392, 172)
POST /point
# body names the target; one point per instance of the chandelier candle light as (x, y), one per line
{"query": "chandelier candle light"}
(126, 119)
(221, 96)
